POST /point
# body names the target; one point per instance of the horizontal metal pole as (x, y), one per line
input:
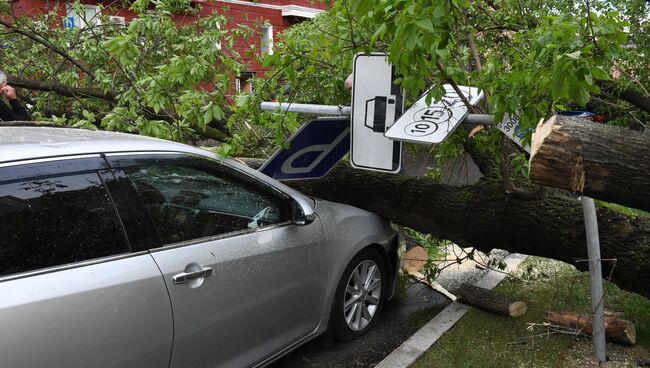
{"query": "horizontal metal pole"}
(327, 110)
(479, 119)
(333, 110)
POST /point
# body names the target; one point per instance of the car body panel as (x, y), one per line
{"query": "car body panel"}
(345, 240)
(266, 291)
(110, 314)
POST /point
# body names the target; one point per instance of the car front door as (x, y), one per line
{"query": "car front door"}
(72, 294)
(244, 281)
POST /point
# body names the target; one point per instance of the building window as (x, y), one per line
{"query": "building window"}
(88, 17)
(244, 83)
(217, 44)
(117, 20)
(267, 39)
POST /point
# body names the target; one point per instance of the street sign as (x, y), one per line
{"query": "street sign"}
(314, 149)
(510, 127)
(430, 124)
(376, 103)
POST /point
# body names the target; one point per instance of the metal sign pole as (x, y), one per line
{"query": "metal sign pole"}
(324, 110)
(335, 110)
(595, 278)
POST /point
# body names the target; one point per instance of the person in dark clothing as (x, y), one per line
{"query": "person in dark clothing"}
(15, 110)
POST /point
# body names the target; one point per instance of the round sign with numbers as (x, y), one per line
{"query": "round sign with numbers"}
(427, 121)
(420, 128)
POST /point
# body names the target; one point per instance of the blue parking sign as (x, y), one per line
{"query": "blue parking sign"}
(313, 151)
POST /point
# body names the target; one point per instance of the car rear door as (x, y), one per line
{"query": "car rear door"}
(72, 293)
(244, 281)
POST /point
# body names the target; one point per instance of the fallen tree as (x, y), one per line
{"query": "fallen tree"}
(153, 72)
(601, 161)
(484, 216)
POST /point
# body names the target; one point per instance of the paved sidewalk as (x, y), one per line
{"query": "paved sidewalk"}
(401, 318)
(407, 353)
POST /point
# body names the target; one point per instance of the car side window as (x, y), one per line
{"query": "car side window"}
(187, 203)
(57, 220)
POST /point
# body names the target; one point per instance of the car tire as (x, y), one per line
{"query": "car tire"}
(359, 299)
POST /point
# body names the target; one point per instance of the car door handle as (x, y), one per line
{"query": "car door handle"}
(184, 277)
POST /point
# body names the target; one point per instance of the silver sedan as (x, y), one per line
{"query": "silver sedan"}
(124, 251)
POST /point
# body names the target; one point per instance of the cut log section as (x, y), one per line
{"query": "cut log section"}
(616, 329)
(415, 259)
(413, 262)
(491, 301)
(601, 161)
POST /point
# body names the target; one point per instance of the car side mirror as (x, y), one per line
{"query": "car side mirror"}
(298, 215)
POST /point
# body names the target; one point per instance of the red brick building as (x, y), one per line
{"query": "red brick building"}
(276, 15)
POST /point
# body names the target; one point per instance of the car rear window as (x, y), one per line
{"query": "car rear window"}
(56, 220)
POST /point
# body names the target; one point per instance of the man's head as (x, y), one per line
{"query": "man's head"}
(6, 90)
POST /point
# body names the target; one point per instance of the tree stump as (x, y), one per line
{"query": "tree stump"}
(600, 161)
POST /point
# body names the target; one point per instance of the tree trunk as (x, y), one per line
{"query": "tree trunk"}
(616, 329)
(491, 301)
(601, 161)
(484, 217)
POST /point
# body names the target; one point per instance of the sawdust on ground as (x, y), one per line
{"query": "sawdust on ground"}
(581, 355)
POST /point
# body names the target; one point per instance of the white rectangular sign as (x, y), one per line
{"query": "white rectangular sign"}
(510, 127)
(376, 102)
(430, 124)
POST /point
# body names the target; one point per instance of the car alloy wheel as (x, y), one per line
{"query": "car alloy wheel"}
(362, 295)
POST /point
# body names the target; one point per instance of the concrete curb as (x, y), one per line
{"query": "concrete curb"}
(410, 350)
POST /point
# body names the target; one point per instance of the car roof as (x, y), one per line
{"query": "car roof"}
(19, 143)
(24, 143)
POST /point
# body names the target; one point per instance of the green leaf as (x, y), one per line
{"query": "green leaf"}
(425, 24)
(574, 55)
(599, 73)
(207, 116)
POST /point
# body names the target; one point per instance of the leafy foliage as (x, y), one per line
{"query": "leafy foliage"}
(536, 57)
(170, 71)
(160, 76)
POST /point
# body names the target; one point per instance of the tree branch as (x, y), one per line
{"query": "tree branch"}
(49, 45)
(455, 87)
(634, 97)
(60, 89)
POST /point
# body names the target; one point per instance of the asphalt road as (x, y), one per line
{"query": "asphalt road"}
(402, 316)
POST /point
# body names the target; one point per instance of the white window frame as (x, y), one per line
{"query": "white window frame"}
(266, 39)
(79, 21)
(244, 78)
(217, 44)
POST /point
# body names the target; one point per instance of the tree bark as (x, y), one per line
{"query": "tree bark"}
(484, 217)
(630, 95)
(59, 89)
(601, 161)
(616, 329)
(491, 301)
